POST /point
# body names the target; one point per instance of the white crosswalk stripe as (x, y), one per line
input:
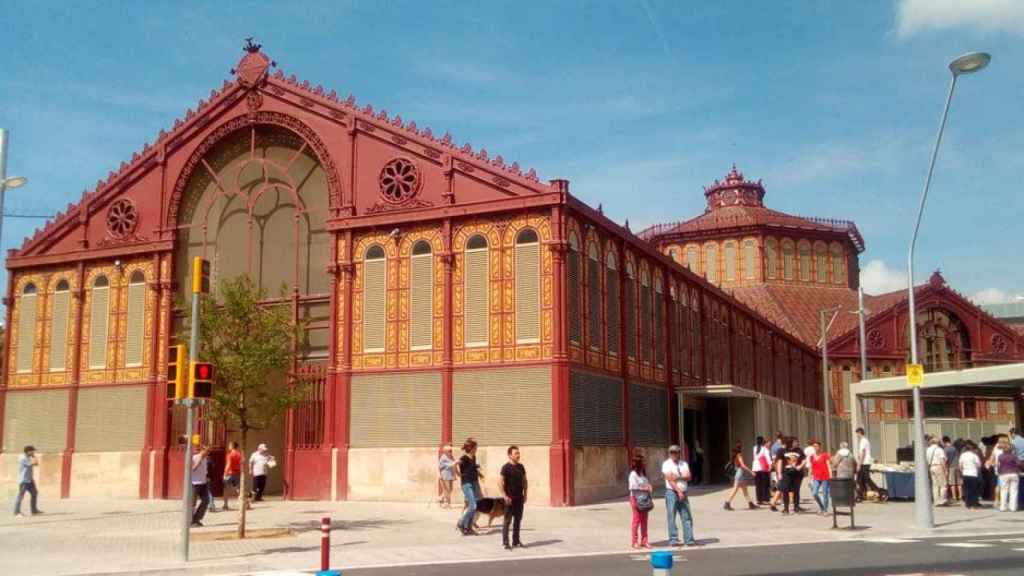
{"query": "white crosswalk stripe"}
(967, 545)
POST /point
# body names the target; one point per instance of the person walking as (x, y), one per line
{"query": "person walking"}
(1008, 468)
(232, 471)
(260, 464)
(677, 476)
(935, 456)
(641, 500)
(792, 468)
(514, 486)
(446, 475)
(200, 483)
(741, 478)
(27, 462)
(762, 467)
(469, 477)
(844, 465)
(864, 462)
(821, 477)
(952, 470)
(970, 468)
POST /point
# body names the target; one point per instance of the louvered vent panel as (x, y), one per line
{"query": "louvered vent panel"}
(59, 333)
(99, 317)
(596, 409)
(421, 301)
(477, 298)
(27, 331)
(630, 302)
(111, 419)
(39, 418)
(503, 406)
(612, 283)
(648, 415)
(136, 324)
(645, 323)
(396, 410)
(594, 301)
(375, 298)
(659, 329)
(527, 292)
(575, 310)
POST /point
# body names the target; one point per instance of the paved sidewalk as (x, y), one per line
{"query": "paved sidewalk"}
(127, 537)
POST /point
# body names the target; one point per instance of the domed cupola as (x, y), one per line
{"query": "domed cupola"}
(734, 191)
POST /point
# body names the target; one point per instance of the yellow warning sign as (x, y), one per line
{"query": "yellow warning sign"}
(915, 374)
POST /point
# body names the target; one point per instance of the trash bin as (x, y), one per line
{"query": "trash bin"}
(844, 494)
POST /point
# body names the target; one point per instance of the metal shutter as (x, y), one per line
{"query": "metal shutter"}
(748, 259)
(612, 286)
(711, 263)
(502, 406)
(528, 292)
(27, 331)
(822, 263)
(39, 418)
(99, 317)
(59, 333)
(111, 419)
(630, 318)
(396, 410)
(648, 415)
(477, 298)
(421, 301)
(659, 327)
(136, 324)
(770, 256)
(596, 409)
(594, 303)
(645, 322)
(575, 328)
(375, 300)
(730, 261)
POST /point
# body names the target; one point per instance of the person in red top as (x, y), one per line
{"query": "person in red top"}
(232, 470)
(821, 473)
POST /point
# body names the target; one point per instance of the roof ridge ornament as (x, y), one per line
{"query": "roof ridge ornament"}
(252, 69)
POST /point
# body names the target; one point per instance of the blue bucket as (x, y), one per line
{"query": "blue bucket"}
(661, 560)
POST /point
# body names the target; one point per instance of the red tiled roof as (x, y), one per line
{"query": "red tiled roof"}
(795, 308)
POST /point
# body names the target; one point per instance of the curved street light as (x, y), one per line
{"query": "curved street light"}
(966, 64)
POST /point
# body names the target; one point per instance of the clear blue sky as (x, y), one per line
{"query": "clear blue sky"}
(639, 103)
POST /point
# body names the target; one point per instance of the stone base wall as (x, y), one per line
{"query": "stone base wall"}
(112, 475)
(601, 472)
(47, 476)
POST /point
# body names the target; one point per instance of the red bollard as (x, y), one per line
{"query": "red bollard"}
(325, 549)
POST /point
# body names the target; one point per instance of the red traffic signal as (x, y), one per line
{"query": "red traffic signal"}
(201, 380)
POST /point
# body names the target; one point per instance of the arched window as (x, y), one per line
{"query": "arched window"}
(730, 261)
(59, 331)
(572, 261)
(99, 316)
(421, 296)
(135, 329)
(697, 364)
(711, 262)
(749, 259)
(375, 299)
(682, 359)
(821, 262)
(527, 287)
(27, 311)
(594, 296)
(673, 253)
(942, 339)
(693, 258)
(838, 266)
(476, 310)
(630, 303)
(659, 322)
(771, 254)
(805, 260)
(611, 283)
(645, 315)
(788, 259)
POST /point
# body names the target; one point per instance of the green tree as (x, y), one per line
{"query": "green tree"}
(252, 347)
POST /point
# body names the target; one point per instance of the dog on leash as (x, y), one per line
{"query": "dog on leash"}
(490, 507)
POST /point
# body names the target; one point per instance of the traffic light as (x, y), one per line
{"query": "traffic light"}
(200, 275)
(176, 372)
(201, 381)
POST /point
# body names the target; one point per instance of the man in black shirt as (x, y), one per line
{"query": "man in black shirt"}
(513, 486)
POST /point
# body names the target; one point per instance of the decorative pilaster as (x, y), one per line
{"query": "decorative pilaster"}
(561, 452)
(76, 378)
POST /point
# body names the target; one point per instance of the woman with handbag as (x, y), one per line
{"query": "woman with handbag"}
(762, 471)
(641, 500)
(741, 478)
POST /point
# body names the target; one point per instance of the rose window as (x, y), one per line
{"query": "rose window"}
(399, 181)
(876, 340)
(122, 219)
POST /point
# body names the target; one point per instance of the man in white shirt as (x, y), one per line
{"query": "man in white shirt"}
(200, 465)
(677, 475)
(935, 456)
(864, 462)
(259, 463)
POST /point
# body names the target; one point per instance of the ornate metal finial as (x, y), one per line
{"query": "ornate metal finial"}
(936, 279)
(250, 46)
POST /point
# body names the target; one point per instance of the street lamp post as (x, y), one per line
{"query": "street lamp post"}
(965, 64)
(827, 390)
(5, 182)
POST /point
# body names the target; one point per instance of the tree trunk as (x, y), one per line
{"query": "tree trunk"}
(243, 499)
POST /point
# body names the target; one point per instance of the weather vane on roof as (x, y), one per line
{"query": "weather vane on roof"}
(250, 46)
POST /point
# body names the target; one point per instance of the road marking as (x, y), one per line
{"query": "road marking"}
(891, 540)
(647, 557)
(966, 545)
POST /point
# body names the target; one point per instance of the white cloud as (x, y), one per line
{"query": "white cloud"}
(913, 16)
(876, 277)
(995, 296)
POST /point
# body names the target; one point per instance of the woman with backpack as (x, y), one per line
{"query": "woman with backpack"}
(762, 466)
(641, 500)
(741, 478)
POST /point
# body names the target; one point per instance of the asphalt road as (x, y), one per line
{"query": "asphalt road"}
(993, 555)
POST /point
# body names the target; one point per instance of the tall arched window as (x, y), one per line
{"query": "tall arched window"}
(682, 360)
(788, 259)
(27, 311)
(838, 266)
(659, 322)
(942, 339)
(611, 283)
(630, 303)
(421, 296)
(749, 259)
(375, 299)
(673, 253)
(645, 315)
(693, 258)
(711, 262)
(99, 316)
(697, 364)
(135, 329)
(730, 261)
(771, 254)
(527, 287)
(572, 261)
(476, 310)
(59, 331)
(821, 262)
(805, 260)
(594, 296)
